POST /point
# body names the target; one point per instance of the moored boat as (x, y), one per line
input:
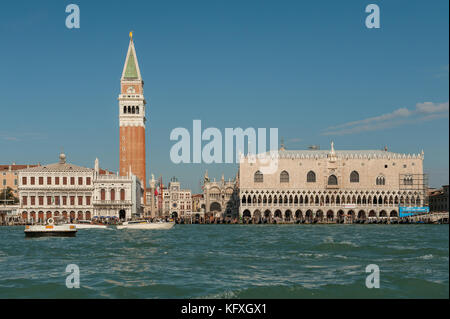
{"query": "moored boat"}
(86, 224)
(145, 225)
(50, 229)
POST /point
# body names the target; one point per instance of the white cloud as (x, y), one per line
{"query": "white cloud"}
(426, 111)
(429, 107)
(22, 136)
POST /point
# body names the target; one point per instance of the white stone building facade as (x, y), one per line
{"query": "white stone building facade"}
(176, 202)
(331, 185)
(74, 192)
(221, 198)
(117, 196)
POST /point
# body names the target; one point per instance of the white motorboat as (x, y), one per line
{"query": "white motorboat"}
(50, 229)
(145, 225)
(86, 224)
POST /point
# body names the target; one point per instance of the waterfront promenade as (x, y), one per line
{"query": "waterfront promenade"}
(430, 218)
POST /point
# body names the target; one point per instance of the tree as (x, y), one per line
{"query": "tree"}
(7, 196)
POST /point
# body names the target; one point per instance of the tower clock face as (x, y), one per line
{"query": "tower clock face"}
(131, 89)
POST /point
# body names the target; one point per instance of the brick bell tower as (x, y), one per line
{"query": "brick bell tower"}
(132, 118)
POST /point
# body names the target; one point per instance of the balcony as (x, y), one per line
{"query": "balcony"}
(112, 202)
(101, 178)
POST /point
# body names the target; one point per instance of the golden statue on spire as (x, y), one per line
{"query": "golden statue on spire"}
(131, 35)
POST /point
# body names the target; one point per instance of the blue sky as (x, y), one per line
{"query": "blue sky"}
(310, 68)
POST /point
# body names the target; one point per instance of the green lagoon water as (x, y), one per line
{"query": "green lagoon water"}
(230, 261)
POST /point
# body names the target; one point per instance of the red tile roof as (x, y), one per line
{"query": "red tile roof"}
(15, 167)
(105, 172)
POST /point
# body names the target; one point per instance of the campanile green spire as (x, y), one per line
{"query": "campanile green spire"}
(131, 68)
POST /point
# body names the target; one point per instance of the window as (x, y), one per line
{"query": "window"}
(102, 194)
(80, 200)
(41, 200)
(88, 181)
(64, 200)
(32, 180)
(332, 180)
(41, 180)
(354, 177)
(24, 200)
(49, 200)
(122, 194)
(4, 182)
(408, 180)
(15, 181)
(72, 181)
(64, 180)
(113, 194)
(72, 200)
(311, 177)
(88, 200)
(385, 166)
(49, 180)
(259, 177)
(80, 180)
(33, 200)
(56, 180)
(381, 180)
(24, 180)
(284, 177)
(57, 200)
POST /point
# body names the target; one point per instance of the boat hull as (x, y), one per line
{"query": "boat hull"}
(82, 226)
(147, 226)
(68, 230)
(51, 234)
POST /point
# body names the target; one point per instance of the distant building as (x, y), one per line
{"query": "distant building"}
(116, 196)
(9, 213)
(221, 199)
(439, 200)
(198, 203)
(9, 176)
(176, 202)
(74, 192)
